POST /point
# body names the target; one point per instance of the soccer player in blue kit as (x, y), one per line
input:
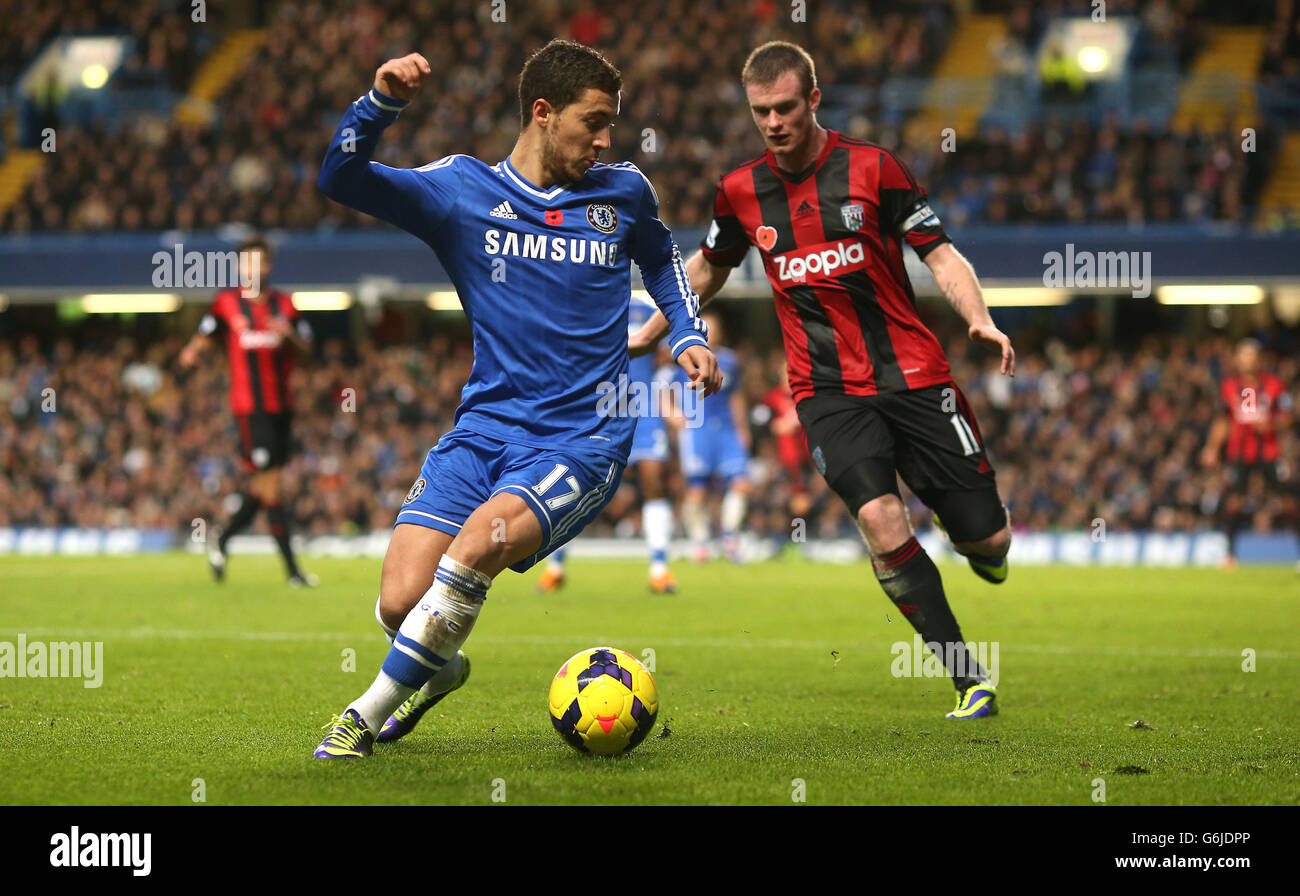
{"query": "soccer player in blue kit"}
(714, 447)
(538, 247)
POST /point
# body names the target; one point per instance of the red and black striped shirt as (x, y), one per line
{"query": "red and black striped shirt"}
(831, 240)
(1255, 406)
(260, 361)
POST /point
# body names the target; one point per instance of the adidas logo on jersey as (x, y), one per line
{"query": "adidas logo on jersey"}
(503, 211)
(804, 209)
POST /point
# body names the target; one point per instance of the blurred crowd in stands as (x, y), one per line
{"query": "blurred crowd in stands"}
(684, 120)
(114, 434)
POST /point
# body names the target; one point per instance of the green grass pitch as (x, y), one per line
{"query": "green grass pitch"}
(769, 675)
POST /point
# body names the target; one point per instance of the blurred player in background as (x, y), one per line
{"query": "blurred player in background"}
(539, 247)
(262, 335)
(650, 459)
(1255, 407)
(871, 382)
(713, 447)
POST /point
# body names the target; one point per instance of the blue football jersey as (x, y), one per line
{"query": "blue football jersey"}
(642, 369)
(544, 277)
(715, 412)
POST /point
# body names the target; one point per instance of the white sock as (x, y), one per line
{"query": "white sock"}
(657, 521)
(441, 682)
(696, 516)
(428, 640)
(733, 511)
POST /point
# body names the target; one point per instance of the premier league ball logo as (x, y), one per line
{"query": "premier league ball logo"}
(819, 459)
(603, 218)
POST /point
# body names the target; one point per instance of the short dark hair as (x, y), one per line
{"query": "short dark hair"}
(559, 73)
(776, 57)
(255, 241)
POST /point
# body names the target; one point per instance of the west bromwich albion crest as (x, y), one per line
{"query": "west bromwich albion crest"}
(853, 215)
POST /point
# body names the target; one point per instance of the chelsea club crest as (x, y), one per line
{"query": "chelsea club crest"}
(416, 491)
(602, 217)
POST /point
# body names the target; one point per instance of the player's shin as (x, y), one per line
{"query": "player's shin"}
(696, 517)
(657, 522)
(278, 520)
(440, 682)
(239, 520)
(427, 641)
(912, 581)
(732, 515)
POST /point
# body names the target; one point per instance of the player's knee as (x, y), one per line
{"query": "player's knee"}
(883, 522)
(996, 545)
(489, 550)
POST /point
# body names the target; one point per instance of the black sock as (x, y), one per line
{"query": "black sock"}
(911, 580)
(279, 521)
(248, 507)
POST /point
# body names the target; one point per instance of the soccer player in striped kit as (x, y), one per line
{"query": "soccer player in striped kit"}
(1255, 408)
(873, 389)
(262, 334)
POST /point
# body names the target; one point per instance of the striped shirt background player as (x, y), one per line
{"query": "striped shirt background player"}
(829, 215)
(262, 334)
(1256, 406)
(538, 247)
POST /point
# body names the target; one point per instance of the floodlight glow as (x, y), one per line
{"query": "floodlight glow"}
(94, 76)
(1211, 294)
(322, 301)
(443, 300)
(1094, 60)
(130, 303)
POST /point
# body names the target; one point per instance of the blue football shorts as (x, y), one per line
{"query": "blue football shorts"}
(566, 489)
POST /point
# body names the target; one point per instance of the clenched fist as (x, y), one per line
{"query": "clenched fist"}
(400, 78)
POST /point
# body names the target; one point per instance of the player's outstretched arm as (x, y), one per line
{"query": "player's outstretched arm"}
(706, 279)
(400, 196)
(960, 286)
(193, 349)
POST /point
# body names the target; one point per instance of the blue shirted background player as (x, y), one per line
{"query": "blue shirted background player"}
(714, 448)
(649, 458)
(538, 247)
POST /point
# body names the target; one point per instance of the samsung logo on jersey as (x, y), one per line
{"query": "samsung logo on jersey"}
(557, 248)
(819, 261)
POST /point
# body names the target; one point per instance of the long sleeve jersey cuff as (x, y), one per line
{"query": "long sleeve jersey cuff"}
(385, 103)
(680, 342)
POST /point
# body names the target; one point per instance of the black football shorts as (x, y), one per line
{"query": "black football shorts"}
(263, 440)
(927, 436)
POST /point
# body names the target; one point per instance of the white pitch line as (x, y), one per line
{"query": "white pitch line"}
(739, 640)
